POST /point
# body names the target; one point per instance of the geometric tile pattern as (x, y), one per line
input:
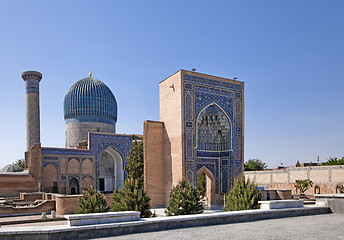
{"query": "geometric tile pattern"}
(98, 143)
(220, 150)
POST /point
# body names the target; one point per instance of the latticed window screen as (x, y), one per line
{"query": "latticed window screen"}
(213, 130)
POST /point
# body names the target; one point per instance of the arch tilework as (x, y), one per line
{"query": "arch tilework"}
(220, 151)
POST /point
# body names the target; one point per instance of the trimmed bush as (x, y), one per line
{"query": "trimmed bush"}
(243, 196)
(92, 201)
(131, 197)
(184, 199)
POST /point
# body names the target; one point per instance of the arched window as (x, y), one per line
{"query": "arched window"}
(213, 130)
(317, 189)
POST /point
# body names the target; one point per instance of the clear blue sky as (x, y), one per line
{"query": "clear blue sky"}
(290, 54)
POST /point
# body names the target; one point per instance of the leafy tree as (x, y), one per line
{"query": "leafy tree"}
(303, 185)
(243, 196)
(132, 197)
(254, 165)
(92, 201)
(335, 161)
(298, 164)
(20, 163)
(201, 181)
(134, 167)
(184, 199)
(340, 188)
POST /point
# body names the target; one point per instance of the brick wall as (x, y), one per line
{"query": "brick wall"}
(325, 177)
(11, 185)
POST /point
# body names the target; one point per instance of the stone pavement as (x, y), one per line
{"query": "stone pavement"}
(325, 226)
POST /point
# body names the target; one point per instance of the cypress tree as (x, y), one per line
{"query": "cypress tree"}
(134, 167)
(132, 196)
(243, 196)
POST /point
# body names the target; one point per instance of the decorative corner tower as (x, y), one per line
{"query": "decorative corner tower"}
(32, 79)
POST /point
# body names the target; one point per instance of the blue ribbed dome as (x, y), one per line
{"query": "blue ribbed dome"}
(90, 100)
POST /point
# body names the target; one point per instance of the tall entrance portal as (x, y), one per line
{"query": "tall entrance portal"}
(201, 129)
(111, 172)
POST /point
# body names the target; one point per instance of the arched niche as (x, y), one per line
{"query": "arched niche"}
(50, 173)
(74, 186)
(111, 171)
(214, 129)
(86, 183)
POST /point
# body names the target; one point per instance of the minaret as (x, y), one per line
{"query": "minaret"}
(32, 79)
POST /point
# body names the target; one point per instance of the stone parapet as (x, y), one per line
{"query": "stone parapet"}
(101, 218)
(334, 201)
(153, 224)
(280, 204)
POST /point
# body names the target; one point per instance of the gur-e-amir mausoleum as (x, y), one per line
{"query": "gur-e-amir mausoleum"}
(201, 129)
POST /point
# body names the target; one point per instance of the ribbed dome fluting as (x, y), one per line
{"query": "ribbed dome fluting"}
(90, 100)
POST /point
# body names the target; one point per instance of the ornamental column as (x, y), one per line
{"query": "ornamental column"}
(32, 79)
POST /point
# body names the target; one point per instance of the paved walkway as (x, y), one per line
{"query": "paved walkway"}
(325, 226)
(28, 220)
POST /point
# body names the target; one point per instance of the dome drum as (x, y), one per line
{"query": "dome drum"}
(89, 106)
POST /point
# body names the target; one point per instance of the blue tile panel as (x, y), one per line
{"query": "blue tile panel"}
(98, 143)
(213, 129)
(32, 86)
(90, 100)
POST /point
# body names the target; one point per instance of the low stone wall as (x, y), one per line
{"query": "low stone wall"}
(66, 204)
(326, 179)
(11, 185)
(279, 204)
(31, 197)
(46, 206)
(153, 224)
(277, 194)
(334, 201)
(102, 218)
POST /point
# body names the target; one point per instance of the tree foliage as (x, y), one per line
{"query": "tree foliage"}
(134, 167)
(298, 164)
(243, 196)
(340, 188)
(254, 165)
(92, 201)
(303, 185)
(335, 161)
(184, 199)
(131, 197)
(20, 163)
(201, 184)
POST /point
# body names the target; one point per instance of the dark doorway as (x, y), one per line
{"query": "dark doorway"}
(101, 184)
(74, 186)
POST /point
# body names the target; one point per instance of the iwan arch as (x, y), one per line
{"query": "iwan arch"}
(201, 129)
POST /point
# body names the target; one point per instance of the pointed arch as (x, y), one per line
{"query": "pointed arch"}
(74, 186)
(213, 129)
(111, 170)
(50, 173)
(210, 184)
